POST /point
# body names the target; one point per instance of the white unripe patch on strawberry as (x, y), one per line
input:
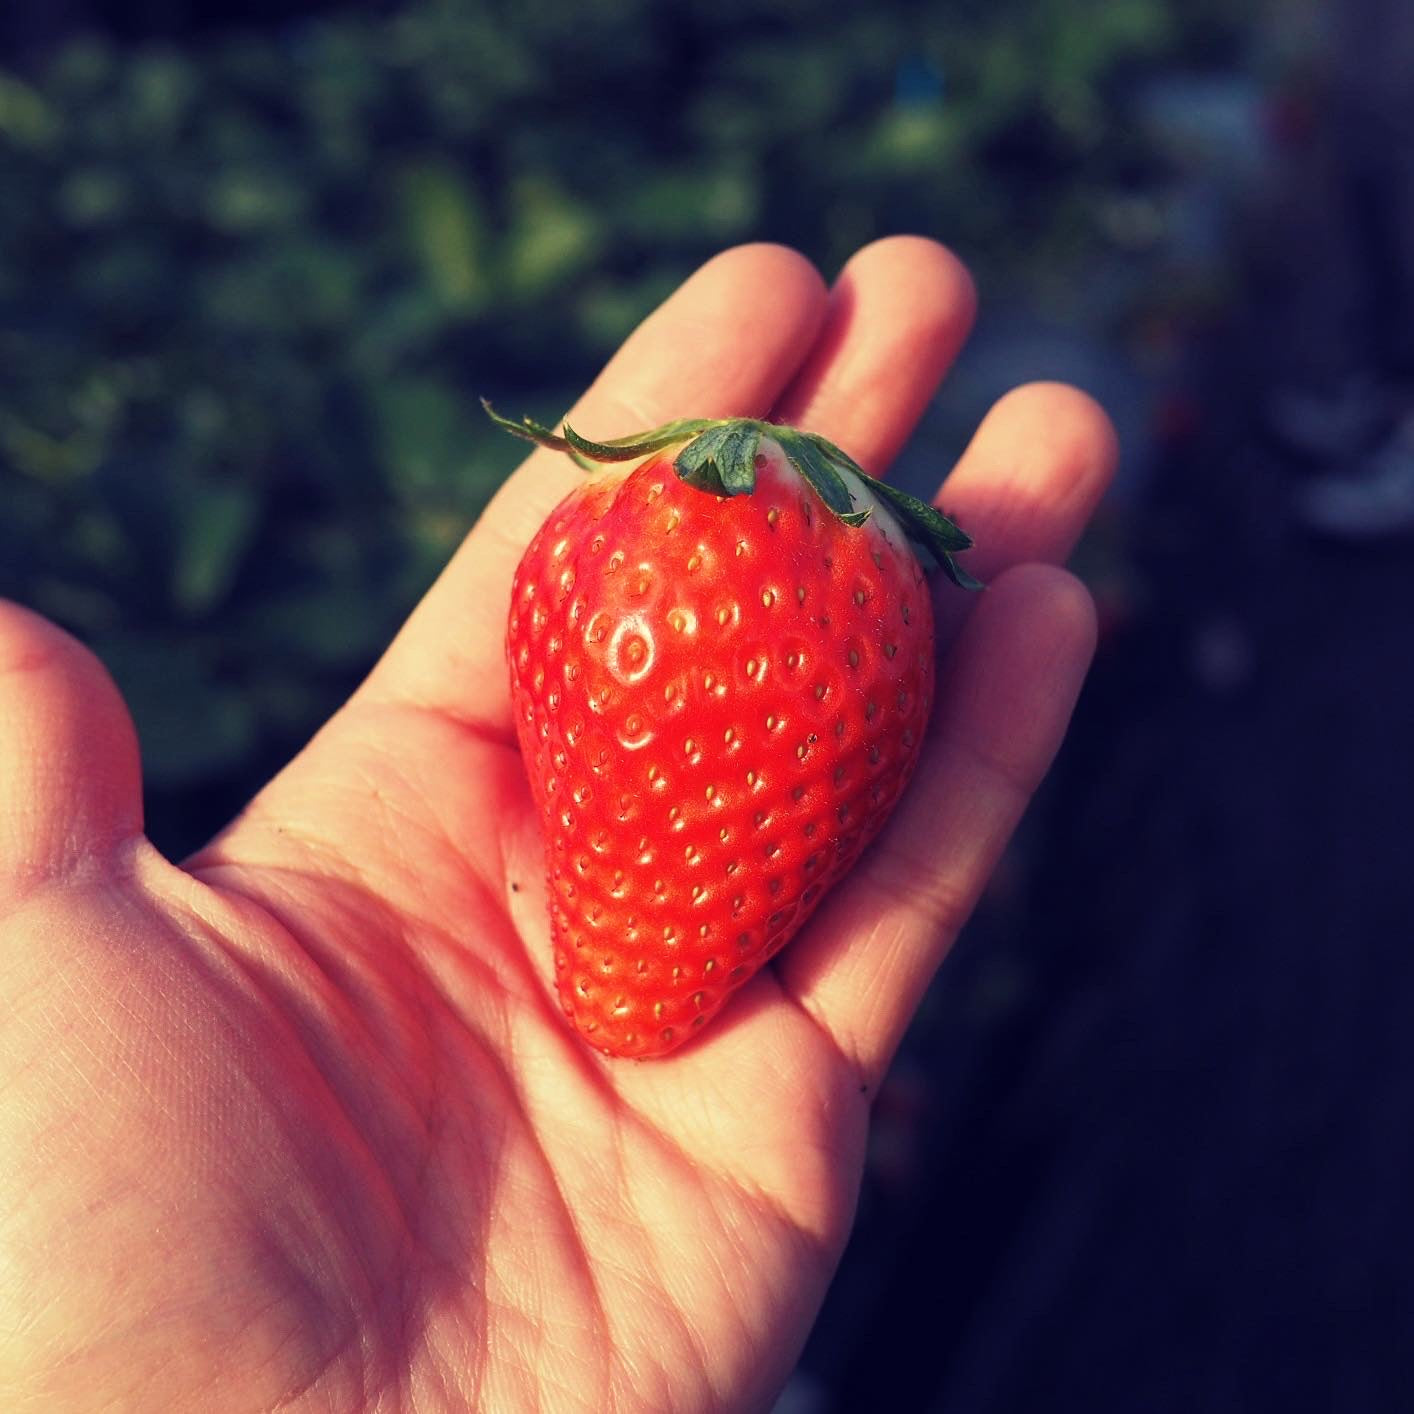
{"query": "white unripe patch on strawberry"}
(881, 521)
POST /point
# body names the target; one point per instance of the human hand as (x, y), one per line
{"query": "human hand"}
(299, 1122)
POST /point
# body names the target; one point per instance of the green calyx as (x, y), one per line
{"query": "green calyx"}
(718, 455)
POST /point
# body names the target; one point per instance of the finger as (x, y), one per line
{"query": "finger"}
(1027, 484)
(726, 342)
(1006, 696)
(70, 782)
(898, 314)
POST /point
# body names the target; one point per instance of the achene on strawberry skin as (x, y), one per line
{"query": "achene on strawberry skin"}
(721, 662)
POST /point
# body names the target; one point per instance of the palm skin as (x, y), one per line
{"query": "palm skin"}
(298, 1124)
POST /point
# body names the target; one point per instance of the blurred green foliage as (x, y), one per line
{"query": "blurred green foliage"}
(248, 292)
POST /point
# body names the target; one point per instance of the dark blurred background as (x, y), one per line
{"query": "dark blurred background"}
(1150, 1145)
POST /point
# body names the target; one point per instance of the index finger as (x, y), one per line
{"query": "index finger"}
(725, 343)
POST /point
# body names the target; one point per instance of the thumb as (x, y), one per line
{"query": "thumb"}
(70, 780)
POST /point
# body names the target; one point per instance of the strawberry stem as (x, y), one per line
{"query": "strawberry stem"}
(718, 455)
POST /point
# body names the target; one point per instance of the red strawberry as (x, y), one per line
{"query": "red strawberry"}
(721, 668)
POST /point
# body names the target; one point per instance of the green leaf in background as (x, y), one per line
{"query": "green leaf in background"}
(214, 528)
(95, 196)
(607, 307)
(244, 199)
(425, 434)
(160, 85)
(719, 201)
(284, 289)
(447, 230)
(26, 120)
(341, 625)
(552, 236)
(192, 725)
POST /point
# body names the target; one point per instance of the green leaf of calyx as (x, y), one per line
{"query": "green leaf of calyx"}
(627, 449)
(925, 525)
(960, 576)
(526, 429)
(584, 452)
(810, 457)
(930, 529)
(722, 459)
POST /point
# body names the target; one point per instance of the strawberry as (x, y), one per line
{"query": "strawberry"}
(721, 660)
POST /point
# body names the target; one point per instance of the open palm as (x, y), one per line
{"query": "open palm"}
(299, 1124)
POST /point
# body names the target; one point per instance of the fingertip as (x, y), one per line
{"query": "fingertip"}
(789, 270)
(918, 290)
(1069, 434)
(936, 274)
(1073, 609)
(70, 777)
(35, 651)
(1031, 638)
(1068, 605)
(897, 317)
(778, 298)
(1031, 477)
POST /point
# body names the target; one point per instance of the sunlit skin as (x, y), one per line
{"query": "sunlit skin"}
(298, 1123)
